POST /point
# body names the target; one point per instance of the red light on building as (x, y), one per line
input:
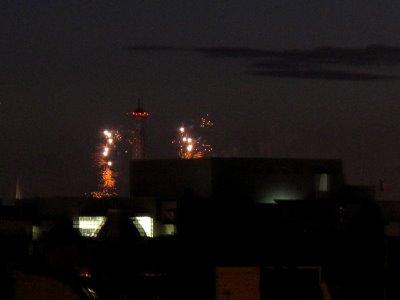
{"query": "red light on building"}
(139, 116)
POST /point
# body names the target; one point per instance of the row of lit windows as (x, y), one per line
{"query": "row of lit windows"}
(89, 226)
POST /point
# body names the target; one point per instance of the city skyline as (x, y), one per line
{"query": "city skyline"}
(71, 70)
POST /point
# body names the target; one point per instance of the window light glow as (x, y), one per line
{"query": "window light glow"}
(323, 182)
(90, 226)
(144, 223)
(282, 193)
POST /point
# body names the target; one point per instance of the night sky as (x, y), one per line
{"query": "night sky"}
(71, 68)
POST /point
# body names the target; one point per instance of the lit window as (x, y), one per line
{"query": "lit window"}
(169, 229)
(144, 225)
(35, 232)
(323, 182)
(90, 226)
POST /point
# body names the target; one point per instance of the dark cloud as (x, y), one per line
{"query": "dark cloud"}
(219, 52)
(321, 74)
(371, 55)
(308, 64)
(229, 52)
(150, 48)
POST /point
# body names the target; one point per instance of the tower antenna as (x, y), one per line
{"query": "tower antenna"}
(139, 116)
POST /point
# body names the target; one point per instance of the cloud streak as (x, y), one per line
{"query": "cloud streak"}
(321, 74)
(325, 63)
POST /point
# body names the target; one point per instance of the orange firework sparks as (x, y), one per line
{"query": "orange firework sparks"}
(107, 185)
(190, 147)
(108, 179)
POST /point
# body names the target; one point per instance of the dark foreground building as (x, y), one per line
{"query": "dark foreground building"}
(259, 180)
(277, 216)
(215, 228)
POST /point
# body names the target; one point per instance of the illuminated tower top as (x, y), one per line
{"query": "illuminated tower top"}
(139, 112)
(139, 116)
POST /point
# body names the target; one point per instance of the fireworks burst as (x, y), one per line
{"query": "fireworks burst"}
(206, 122)
(189, 143)
(191, 146)
(107, 185)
